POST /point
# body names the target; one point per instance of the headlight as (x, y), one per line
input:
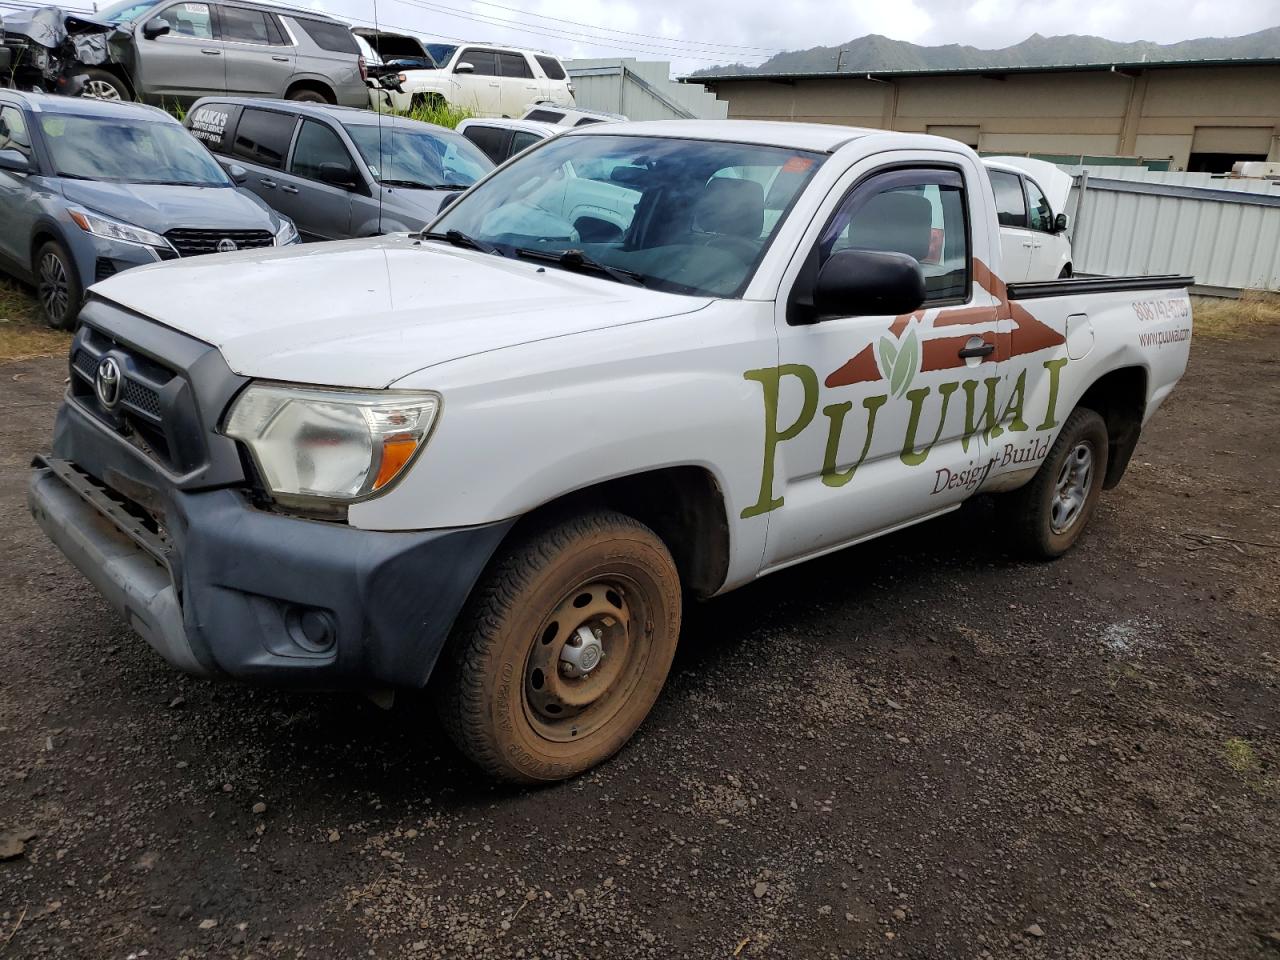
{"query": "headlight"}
(332, 444)
(100, 226)
(287, 233)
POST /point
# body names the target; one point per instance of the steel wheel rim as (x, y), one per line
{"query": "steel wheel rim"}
(565, 706)
(54, 288)
(100, 90)
(1071, 492)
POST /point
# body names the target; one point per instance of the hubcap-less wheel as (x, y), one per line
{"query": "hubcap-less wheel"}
(1072, 490)
(585, 661)
(54, 288)
(100, 90)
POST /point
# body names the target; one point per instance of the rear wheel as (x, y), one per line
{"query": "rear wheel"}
(1047, 516)
(308, 95)
(58, 286)
(104, 85)
(563, 649)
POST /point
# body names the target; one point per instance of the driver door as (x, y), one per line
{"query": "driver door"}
(185, 63)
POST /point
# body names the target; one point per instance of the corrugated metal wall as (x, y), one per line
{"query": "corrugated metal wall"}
(1224, 232)
(640, 90)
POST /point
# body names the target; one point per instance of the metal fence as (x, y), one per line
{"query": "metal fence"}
(1225, 232)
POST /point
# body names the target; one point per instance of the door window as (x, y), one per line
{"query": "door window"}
(492, 141)
(523, 140)
(484, 61)
(1011, 205)
(514, 65)
(318, 144)
(1041, 215)
(263, 137)
(244, 26)
(13, 132)
(188, 20)
(919, 213)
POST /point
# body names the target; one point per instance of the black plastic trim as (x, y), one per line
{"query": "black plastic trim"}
(1035, 290)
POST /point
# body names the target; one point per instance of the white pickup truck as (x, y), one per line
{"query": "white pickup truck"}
(497, 455)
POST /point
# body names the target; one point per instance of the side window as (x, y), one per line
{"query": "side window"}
(1041, 215)
(587, 121)
(13, 131)
(318, 144)
(484, 61)
(523, 140)
(551, 67)
(263, 137)
(243, 26)
(492, 141)
(326, 35)
(1011, 206)
(188, 20)
(514, 65)
(212, 125)
(920, 213)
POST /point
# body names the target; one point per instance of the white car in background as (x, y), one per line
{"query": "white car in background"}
(501, 138)
(1031, 197)
(488, 80)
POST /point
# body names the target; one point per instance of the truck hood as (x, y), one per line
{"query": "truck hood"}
(159, 207)
(365, 313)
(416, 208)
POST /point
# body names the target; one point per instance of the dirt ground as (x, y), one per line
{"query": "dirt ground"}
(918, 749)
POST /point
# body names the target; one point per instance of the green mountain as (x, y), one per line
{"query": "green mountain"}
(874, 52)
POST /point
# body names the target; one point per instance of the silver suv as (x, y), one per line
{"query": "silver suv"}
(164, 51)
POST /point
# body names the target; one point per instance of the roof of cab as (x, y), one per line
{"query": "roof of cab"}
(88, 107)
(824, 137)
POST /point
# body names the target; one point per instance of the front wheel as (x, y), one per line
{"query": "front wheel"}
(58, 286)
(104, 85)
(1047, 516)
(563, 649)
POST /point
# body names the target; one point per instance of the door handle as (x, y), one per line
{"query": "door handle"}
(288, 189)
(212, 53)
(280, 59)
(982, 350)
(270, 184)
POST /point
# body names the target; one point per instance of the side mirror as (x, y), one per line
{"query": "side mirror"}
(1060, 223)
(337, 175)
(15, 161)
(868, 283)
(237, 173)
(464, 67)
(154, 28)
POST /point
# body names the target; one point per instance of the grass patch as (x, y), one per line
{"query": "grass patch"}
(1233, 319)
(1240, 757)
(23, 336)
(440, 113)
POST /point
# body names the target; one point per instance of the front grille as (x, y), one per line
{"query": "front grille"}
(193, 243)
(141, 398)
(102, 269)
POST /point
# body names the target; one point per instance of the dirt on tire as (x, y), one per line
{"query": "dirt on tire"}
(916, 748)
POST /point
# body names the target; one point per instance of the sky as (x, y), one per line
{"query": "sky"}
(706, 32)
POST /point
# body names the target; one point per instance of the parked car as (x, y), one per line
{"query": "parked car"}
(336, 171)
(488, 80)
(500, 139)
(89, 189)
(562, 116)
(167, 52)
(1031, 196)
(500, 455)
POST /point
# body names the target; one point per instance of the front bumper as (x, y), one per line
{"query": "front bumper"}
(219, 587)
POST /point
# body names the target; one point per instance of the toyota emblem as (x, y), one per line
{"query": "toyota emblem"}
(226, 245)
(108, 382)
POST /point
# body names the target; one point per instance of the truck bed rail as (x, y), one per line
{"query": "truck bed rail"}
(1035, 289)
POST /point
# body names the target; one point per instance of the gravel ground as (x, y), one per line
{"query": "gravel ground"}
(916, 748)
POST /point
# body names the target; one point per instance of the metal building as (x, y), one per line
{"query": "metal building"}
(640, 90)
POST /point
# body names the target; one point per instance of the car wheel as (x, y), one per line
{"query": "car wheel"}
(104, 85)
(426, 101)
(58, 286)
(1046, 517)
(307, 95)
(563, 649)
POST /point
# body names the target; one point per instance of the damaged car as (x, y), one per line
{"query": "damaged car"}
(48, 51)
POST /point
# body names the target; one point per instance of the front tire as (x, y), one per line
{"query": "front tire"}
(58, 286)
(1047, 516)
(563, 649)
(104, 85)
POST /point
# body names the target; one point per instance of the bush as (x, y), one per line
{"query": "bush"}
(440, 113)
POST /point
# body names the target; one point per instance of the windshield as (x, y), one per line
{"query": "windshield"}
(125, 10)
(427, 158)
(688, 216)
(128, 151)
(441, 52)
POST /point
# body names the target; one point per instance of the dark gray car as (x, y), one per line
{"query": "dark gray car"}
(88, 189)
(339, 173)
(174, 51)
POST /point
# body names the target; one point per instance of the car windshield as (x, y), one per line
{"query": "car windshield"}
(441, 52)
(687, 216)
(419, 158)
(125, 10)
(128, 151)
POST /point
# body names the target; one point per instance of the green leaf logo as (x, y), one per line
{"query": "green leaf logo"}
(899, 362)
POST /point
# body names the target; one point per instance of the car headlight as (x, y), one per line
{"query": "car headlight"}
(340, 445)
(287, 233)
(100, 226)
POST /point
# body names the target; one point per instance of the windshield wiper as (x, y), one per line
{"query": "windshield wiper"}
(419, 185)
(577, 260)
(459, 239)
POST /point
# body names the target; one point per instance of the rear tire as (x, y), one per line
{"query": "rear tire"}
(1047, 516)
(58, 286)
(104, 85)
(308, 95)
(525, 692)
